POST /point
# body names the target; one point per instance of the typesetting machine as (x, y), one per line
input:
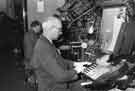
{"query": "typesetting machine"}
(92, 29)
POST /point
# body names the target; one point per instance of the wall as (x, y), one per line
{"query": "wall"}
(49, 9)
(7, 6)
(3, 5)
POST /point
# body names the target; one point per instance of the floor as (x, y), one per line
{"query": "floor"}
(12, 78)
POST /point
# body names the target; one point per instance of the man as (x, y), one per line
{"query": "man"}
(30, 39)
(52, 71)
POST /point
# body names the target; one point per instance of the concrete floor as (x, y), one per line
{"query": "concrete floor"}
(11, 78)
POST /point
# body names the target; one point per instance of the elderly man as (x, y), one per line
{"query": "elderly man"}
(53, 72)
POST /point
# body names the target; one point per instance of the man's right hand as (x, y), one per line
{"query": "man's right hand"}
(79, 69)
(79, 66)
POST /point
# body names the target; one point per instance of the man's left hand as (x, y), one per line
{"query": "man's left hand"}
(81, 63)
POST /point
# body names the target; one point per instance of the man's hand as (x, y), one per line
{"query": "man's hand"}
(79, 66)
(81, 63)
(79, 69)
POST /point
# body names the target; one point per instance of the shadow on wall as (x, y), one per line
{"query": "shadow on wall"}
(11, 33)
(50, 7)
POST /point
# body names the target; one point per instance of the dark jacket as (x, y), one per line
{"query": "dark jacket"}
(52, 71)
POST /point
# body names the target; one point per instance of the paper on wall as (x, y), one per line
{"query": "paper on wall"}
(40, 6)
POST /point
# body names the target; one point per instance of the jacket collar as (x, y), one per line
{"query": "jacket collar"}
(45, 39)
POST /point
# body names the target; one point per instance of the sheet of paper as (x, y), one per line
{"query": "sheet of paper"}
(40, 6)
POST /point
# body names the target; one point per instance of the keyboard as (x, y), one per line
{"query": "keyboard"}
(94, 71)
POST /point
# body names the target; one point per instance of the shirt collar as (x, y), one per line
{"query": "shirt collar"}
(43, 37)
(50, 41)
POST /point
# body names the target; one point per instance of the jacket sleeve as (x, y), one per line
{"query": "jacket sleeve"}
(49, 63)
(68, 62)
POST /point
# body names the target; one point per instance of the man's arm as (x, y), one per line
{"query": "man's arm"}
(49, 63)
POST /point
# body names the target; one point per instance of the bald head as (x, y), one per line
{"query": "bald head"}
(52, 27)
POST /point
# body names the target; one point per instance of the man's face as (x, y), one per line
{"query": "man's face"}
(36, 29)
(55, 32)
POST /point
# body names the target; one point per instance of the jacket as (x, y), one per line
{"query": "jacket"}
(52, 70)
